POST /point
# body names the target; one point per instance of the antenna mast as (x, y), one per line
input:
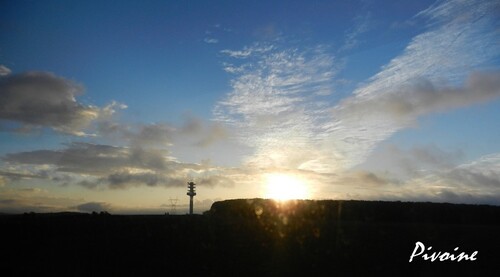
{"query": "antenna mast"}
(173, 205)
(191, 192)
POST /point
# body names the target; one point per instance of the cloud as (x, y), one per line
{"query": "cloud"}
(193, 131)
(482, 173)
(211, 40)
(277, 101)
(4, 71)
(165, 137)
(248, 51)
(42, 99)
(475, 182)
(93, 207)
(363, 121)
(426, 78)
(85, 158)
(276, 104)
(216, 180)
(202, 134)
(158, 134)
(33, 200)
(126, 178)
(422, 97)
(410, 163)
(92, 159)
(362, 178)
(267, 32)
(457, 12)
(14, 176)
(95, 165)
(361, 24)
(274, 84)
(215, 133)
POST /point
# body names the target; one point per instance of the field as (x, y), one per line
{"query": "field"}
(256, 237)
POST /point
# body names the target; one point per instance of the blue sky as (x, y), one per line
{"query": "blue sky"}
(115, 105)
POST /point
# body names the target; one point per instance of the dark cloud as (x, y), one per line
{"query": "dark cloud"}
(158, 134)
(93, 207)
(89, 184)
(110, 128)
(93, 165)
(433, 156)
(444, 196)
(125, 178)
(216, 180)
(140, 135)
(421, 97)
(457, 196)
(411, 162)
(42, 99)
(201, 133)
(475, 182)
(213, 134)
(193, 132)
(475, 178)
(92, 159)
(363, 178)
(122, 178)
(192, 125)
(19, 203)
(14, 176)
(8, 201)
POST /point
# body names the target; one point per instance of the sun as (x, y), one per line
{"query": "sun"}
(281, 186)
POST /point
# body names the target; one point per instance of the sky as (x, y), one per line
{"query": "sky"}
(115, 105)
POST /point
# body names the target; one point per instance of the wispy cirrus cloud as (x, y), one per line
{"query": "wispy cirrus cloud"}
(276, 101)
(425, 78)
(211, 40)
(361, 25)
(248, 51)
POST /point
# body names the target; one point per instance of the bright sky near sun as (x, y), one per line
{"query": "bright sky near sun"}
(116, 105)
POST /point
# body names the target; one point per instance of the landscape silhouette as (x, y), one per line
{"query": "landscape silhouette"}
(255, 237)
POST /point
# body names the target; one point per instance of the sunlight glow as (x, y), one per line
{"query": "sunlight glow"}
(281, 186)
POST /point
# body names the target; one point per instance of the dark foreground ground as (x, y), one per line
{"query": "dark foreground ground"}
(255, 238)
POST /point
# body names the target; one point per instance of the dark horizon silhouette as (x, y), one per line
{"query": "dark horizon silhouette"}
(256, 237)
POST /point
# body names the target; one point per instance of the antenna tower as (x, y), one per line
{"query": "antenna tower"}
(173, 205)
(191, 192)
